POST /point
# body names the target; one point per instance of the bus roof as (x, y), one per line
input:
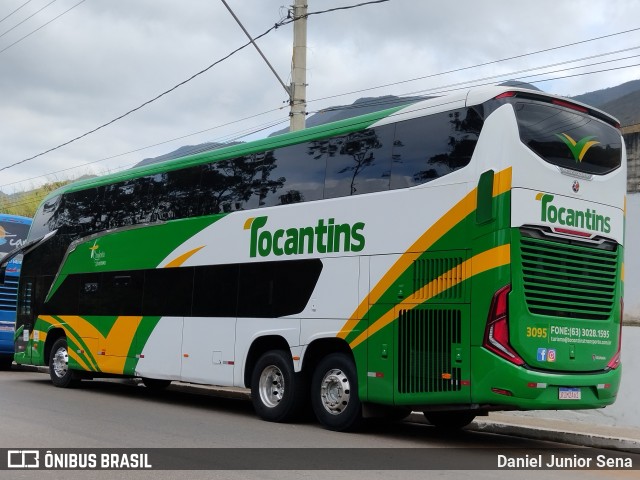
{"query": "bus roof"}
(321, 131)
(474, 96)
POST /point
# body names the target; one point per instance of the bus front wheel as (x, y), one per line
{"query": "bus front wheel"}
(449, 420)
(334, 393)
(61, 375)
(277, 392)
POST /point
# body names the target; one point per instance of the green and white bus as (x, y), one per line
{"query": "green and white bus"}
(453, 256)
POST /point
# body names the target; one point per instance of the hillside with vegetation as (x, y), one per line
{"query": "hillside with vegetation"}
(25, 203)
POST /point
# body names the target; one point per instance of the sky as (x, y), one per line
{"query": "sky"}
(62, 77)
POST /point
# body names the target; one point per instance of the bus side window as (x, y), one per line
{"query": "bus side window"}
(430, 147)
(215, 291)
(182, 196)
(359, 162)
(125, 202)
(122, 293)
(89, 295)
(81, 211)
(217, 186)
(46, 219)
(168, 291)
(293, 177)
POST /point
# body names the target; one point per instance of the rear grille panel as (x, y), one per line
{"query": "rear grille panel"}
(568, 280)
(425, 338)
(439, 278)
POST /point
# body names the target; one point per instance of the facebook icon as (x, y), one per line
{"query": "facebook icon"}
(542, 354)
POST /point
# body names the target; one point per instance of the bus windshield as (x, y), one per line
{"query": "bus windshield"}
(12, 236)
(569, 138)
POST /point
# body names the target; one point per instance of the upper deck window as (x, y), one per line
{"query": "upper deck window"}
(568, 138)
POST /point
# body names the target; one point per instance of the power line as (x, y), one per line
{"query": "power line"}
(24, 4)
(19, 202)
(276, 26)
(380, 102)
(270, 125)
(33, 14)
(349, 7)
(373, 103)
(478, 65)
(445, 89)
(41, 26)
(232, 137)
(476, 82)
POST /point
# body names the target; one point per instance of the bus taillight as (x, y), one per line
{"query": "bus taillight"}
(496, 335)
(615, 361)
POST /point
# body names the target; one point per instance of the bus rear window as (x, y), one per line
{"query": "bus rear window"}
(568, 138)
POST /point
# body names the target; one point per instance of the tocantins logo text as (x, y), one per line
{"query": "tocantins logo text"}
(588, 219)
(326, 236)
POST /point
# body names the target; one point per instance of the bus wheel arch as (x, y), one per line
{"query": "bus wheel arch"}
(52, 336)
(259, 347)
(319, 349)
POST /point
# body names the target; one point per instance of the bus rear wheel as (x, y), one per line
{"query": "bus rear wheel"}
(334, 393)
(61, 375)
(277, 392)
(449, 420)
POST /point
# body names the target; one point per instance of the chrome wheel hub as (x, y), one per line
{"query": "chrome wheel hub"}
(335, 391)
(61, 362)
(271, 386)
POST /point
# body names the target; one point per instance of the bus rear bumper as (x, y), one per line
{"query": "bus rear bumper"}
(498, 382)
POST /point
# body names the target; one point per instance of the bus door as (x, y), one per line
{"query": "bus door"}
(208, 350)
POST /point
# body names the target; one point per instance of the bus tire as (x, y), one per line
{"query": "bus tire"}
(449, 420)
(59, 371)
(334, 393)
(155, 384)
(277, 392)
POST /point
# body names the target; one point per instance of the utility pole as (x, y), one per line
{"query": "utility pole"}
(298, 87)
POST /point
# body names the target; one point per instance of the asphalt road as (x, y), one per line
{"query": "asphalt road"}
(108, 414)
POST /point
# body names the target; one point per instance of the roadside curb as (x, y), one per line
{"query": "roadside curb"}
(592, 440)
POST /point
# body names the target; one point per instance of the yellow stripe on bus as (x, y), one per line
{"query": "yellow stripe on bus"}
(493, 258)
(111, 351)
(178, 261)
(76, 358)
(501, 184)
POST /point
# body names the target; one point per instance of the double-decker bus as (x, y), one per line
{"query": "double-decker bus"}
(13, 233)
(453, 256)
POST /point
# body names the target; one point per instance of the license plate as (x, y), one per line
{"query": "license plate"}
(565, 393)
